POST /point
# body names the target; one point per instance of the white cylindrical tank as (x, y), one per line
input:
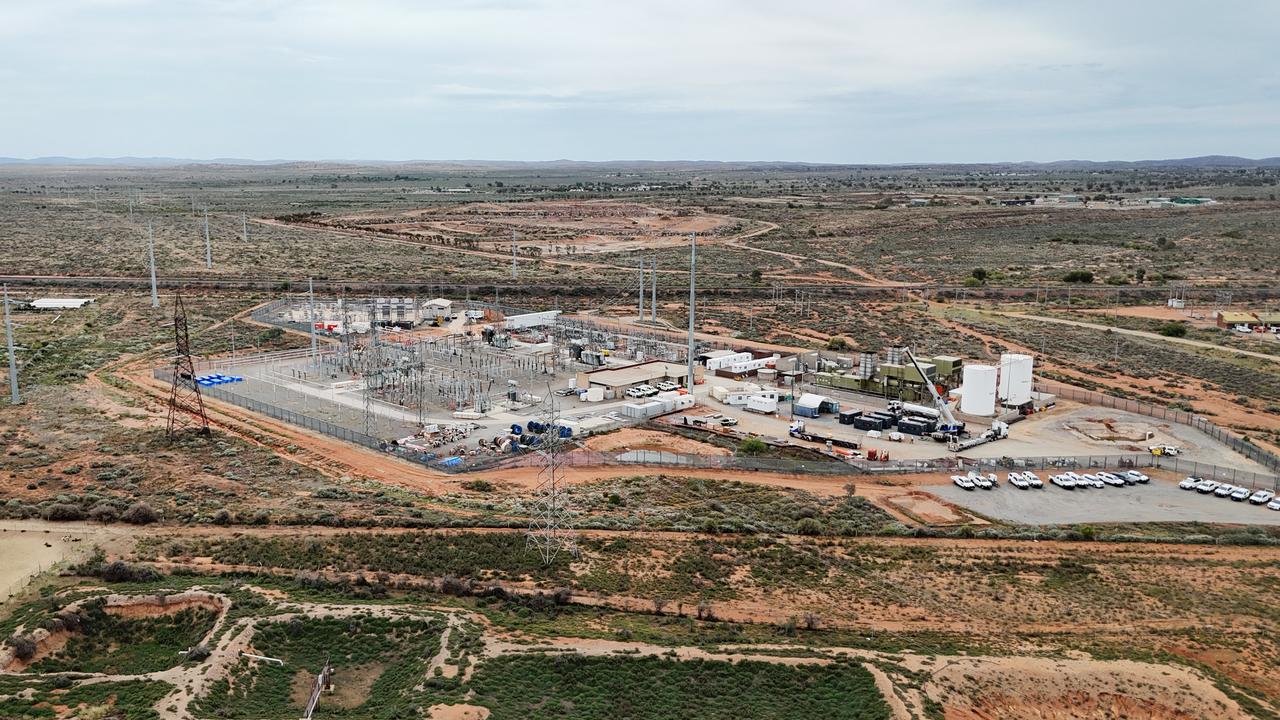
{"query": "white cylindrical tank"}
(978, 396)
(1015, 378)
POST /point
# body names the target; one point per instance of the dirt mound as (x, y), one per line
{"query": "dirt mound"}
(161, 605)
(1035, 688)
(636, 439)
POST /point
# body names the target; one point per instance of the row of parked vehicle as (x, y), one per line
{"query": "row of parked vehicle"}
(1238, 493)
(974, 480)
(1100, 479)
(644, 391)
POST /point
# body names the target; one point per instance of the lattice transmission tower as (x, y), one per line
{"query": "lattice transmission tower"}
(186, 406)
(551, 529)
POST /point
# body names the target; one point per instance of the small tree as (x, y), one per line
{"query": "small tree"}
(756, 276)
(837, 343)
(979, 274)
(24, 648)
(140, 513)
(752, 447)
(1078, 276)
(1173, 329)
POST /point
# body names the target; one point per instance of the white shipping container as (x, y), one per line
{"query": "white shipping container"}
(716, 363)
(767, 404)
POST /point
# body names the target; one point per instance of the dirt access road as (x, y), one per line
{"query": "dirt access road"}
(1144, 334)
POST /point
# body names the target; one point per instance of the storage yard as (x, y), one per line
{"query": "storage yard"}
(460, 382)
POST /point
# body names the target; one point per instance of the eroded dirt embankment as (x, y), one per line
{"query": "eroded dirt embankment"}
(49, 642)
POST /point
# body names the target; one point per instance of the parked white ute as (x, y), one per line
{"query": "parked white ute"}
(1137, 476)
(1241, 494)
(982, 482)
(1033, 480)
(1063, 481)
(962, 482)
(1112, 480)
(1274, 504)
(1189, 484)
(1207, 486)
(1224, 490)
(1016, 480)
(1262, 497)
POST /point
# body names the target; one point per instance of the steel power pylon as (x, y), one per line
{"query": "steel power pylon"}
(186, 406)
(551, 530)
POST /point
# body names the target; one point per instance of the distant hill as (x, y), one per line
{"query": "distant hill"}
(1203, 161)
(1200, 162)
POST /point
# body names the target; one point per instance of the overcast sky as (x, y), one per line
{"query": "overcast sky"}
(811, 80)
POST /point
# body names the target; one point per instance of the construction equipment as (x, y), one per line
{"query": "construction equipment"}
(950, 428)
(998, 431)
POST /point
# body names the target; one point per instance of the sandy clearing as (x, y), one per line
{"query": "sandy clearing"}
(25, 555)
(457, 712)
(1013, 688)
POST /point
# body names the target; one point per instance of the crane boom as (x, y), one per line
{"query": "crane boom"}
(952, 425)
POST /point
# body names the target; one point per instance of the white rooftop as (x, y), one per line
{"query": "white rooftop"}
(439, 302)
(810, 400)
(60, 303)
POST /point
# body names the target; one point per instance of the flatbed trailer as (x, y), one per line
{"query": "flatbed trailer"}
(798, 431)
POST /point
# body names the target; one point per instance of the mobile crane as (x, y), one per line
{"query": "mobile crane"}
(951, 430)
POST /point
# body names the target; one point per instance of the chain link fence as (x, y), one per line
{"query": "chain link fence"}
(1048, 464)
(1259, 455)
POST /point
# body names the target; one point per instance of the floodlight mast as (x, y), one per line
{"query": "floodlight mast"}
(151, 258)
(311, 317)
(208, 249)
(693, 274)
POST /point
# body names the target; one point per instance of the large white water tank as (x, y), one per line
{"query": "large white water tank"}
(978, 392)
(1015, 378)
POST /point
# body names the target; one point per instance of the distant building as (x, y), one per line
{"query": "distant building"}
(1229, 318)
(438, 309)
(617, 380)
(398, 312)
(60, 303)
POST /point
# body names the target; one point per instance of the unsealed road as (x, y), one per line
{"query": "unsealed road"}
(1148, 335)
